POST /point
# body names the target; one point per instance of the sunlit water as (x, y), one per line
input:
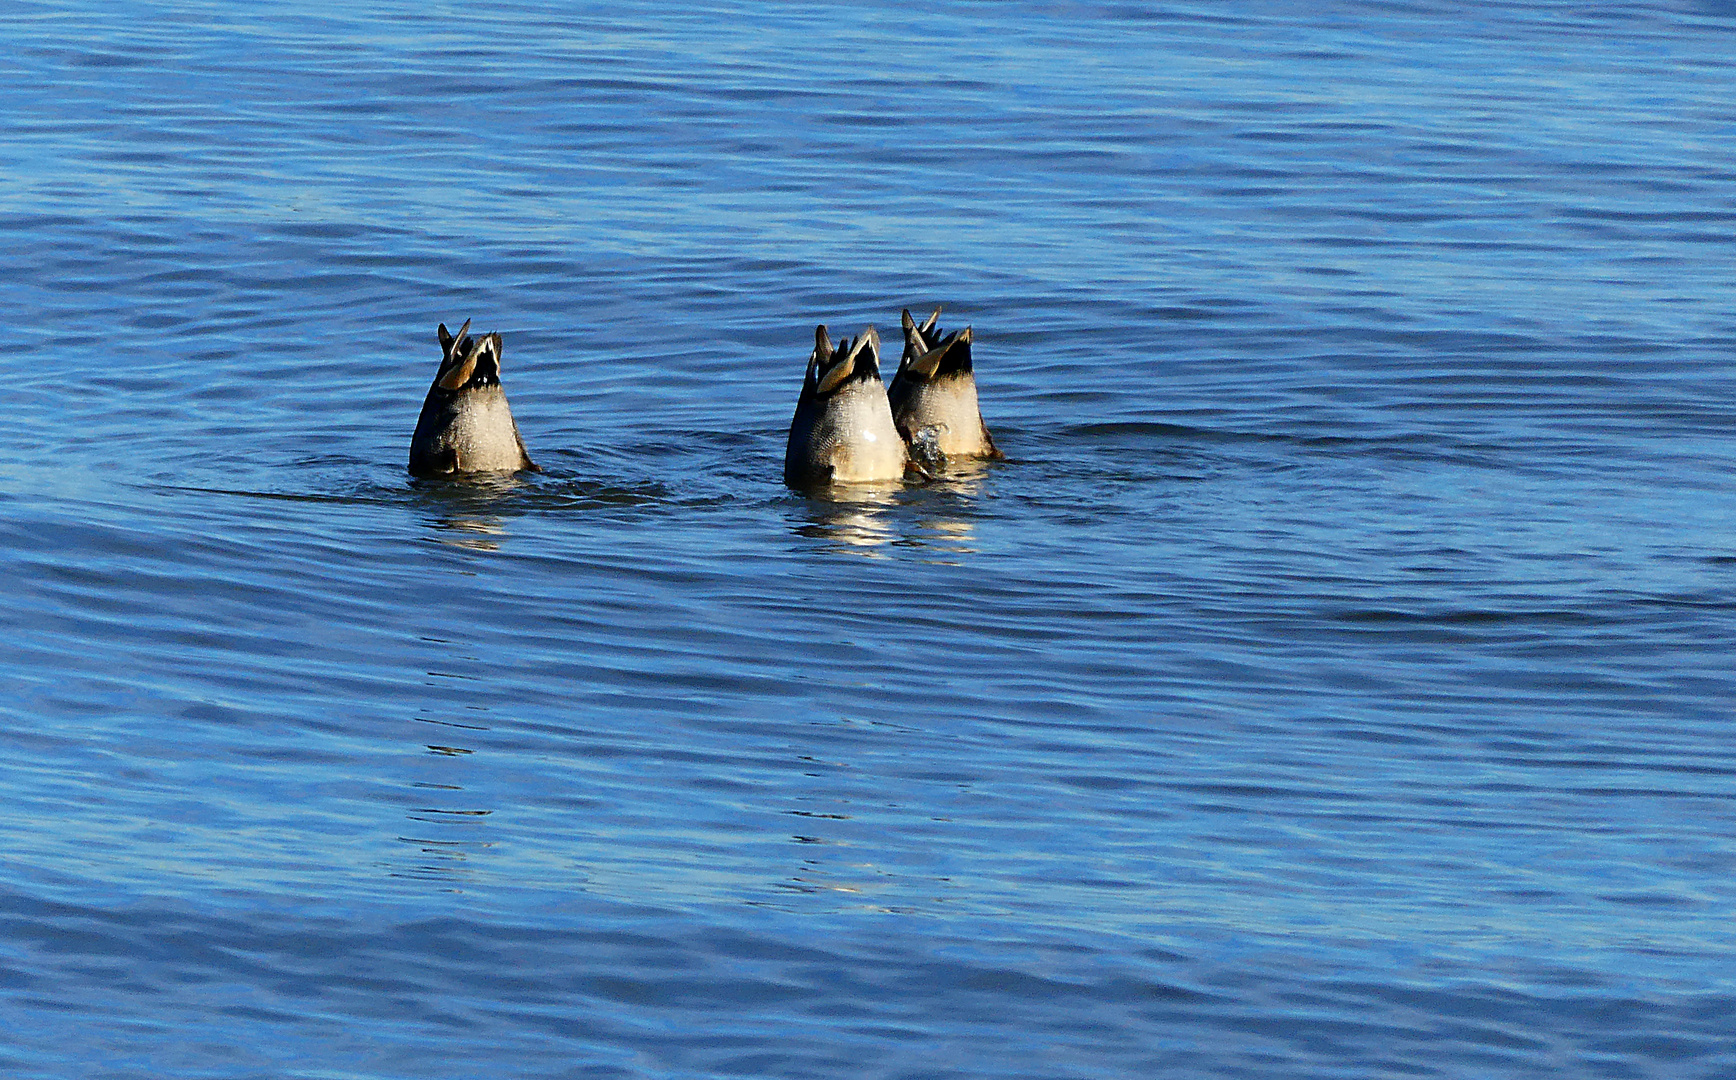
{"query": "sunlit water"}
(1334, 682)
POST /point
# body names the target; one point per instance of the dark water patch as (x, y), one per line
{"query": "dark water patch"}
(1475, 618)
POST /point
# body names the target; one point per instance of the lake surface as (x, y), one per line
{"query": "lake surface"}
(1335, 680)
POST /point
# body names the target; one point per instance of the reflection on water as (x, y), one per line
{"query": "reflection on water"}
(475, 533)
(857, 518)
(949, 535)
(467, 513)
(952, 494)
(861, 519)
(963, 477)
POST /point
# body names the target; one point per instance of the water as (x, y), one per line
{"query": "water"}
(1334, 682)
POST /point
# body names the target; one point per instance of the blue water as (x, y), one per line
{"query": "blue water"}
(1334, 682)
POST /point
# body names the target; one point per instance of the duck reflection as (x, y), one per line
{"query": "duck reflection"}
(944, 524)
(466, 511)
(963, 477)
(474, 533)
(866, 521)
(949, 535)
(857, 518)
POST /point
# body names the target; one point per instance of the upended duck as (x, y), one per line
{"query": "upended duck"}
(466, 425)
(843, 432)
(934, 397)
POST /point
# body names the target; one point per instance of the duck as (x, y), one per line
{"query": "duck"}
(842, 432)
(934, 397)
(466, 425)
